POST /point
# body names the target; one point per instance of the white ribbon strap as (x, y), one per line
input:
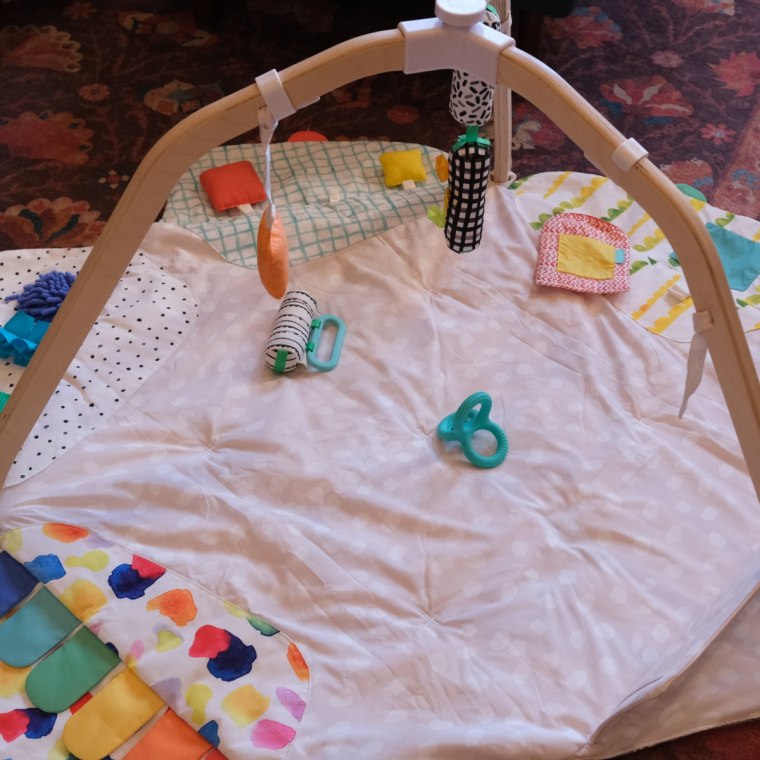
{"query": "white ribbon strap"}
(695, 364)
(274, 95)
(267, 126)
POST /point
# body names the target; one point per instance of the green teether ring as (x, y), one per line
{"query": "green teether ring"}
(462, 425)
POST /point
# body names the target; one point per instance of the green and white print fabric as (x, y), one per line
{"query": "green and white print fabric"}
(328, 195)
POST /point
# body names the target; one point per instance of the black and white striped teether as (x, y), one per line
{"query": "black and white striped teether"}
(286, 348)
(469, 169)
(471, 100)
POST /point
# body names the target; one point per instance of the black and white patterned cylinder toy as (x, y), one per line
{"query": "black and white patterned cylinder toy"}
(286, 347)
(469, 170)
(471, 100)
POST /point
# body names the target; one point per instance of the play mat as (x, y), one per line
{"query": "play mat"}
(368, 451)
(591, 594)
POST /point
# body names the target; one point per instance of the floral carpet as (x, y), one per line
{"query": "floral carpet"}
(88, 86)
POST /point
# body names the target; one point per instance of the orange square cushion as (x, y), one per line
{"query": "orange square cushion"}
(232, 185)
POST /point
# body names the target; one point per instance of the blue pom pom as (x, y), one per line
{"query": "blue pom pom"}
(42, 298)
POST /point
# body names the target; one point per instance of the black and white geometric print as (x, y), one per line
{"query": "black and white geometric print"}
(286, 347)
(471, 100)
(469, 169)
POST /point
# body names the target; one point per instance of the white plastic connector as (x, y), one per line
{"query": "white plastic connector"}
(628, 154)
(678, 292)
(274, 95)
(460, 12)
(431, 45)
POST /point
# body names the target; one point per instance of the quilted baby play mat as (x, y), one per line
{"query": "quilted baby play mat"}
(592, 594)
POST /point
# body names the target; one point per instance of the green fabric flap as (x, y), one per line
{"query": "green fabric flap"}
(70, 672)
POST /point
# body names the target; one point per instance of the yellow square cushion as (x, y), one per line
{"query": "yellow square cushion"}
(402, 165)
(585, 257)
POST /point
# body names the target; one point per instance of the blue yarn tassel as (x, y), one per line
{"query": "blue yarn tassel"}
(42, 298)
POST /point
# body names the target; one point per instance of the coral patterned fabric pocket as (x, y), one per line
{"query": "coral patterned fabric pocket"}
(583, 253)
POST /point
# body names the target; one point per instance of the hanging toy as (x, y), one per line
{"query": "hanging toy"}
(297, 332)
(471, 100)
(469, 168)
(272, 242)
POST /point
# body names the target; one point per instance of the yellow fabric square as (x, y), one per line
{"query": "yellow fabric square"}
(585, 257)
(402, 165)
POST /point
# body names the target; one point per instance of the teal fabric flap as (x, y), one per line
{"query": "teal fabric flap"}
(38, 626)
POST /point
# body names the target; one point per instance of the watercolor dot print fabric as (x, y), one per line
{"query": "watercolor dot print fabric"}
(118, 641)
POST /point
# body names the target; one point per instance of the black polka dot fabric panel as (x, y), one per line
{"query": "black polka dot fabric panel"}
(144, 321)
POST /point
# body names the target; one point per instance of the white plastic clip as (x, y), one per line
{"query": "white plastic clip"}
(678, 292)
(628, 154)
(274, 95)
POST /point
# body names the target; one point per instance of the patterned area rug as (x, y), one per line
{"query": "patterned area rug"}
(88, 86)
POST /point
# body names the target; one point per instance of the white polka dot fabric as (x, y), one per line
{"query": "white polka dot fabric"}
(146, 318)
(542, 610)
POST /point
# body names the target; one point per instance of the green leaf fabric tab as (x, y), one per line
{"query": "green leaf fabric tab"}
(70, 672)
(39, 625)
(16, 582)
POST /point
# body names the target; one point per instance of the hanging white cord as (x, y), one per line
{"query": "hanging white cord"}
(267, 126)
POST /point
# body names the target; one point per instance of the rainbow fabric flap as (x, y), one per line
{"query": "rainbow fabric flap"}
(69, 672)
(16, 582)
(40, 624)
(116, 654)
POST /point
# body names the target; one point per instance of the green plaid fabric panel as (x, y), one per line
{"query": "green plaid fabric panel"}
(328, 195)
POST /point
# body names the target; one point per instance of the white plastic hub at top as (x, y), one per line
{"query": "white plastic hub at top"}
(454, 40)
(460, 13)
